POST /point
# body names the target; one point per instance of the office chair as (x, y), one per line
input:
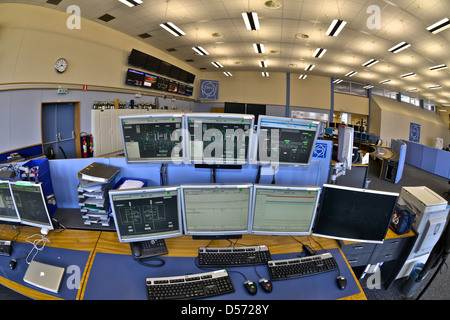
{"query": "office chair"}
(50, 152)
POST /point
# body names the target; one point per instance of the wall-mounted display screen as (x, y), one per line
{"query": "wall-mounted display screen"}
(134, 78)
(150, 81)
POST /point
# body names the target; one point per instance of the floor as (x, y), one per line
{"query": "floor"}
(439, 288)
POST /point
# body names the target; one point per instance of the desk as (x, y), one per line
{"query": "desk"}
(95, 248)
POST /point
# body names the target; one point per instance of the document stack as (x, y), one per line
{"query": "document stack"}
(95, 181)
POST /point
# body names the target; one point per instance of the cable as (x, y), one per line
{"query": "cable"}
(41, 240)
(160, 264)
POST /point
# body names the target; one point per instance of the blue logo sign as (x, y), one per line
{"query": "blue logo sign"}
(209, 89)
(320, 150)
(414, 132)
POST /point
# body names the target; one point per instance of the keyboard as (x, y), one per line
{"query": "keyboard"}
(301, 267)
(192, 286)
(5, 248)
(233, 256)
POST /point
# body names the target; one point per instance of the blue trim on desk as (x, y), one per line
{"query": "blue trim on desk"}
(119, 277)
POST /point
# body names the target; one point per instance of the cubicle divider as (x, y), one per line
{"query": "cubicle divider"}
(429, 159)
(399, 147)
(65, 180)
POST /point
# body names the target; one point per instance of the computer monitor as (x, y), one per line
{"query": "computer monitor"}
(216, 210)
(150, 81)
(354, 214)
(285, 141)
(31, 205)
(134, 78)
(8, 212)
(155, 138)
(283, 210)
(144, 214)
(218, 138)
(137, 58)
(345, 146)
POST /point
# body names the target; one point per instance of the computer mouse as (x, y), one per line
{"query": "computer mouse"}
(250, 286)
(266, 284)
(341, 282)
(12, 264)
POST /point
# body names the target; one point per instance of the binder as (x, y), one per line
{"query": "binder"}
(98, 172)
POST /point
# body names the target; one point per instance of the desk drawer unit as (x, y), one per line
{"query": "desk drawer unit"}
(358, 254)
(388, 251)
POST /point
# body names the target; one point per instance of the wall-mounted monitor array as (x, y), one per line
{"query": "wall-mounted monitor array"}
(218, 139)
(158, 74)
(232, 210)
(24, 202)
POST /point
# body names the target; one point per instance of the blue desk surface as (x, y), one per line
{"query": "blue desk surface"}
(119, 277)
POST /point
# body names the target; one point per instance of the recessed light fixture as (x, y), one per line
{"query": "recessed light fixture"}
(265, 74)
(368, 86)
(385, 81)
(259, 47)
(435, 87)
(336, 27)
(263, 64)
(217, 64)
(400, 47)
(370, 63)
(338, 81)
(409, 75)
(173, 29)
(310, 67)
(439, 26)
(319, 53)
(303, 77)
(131, 3)
(200, 51)
(251, 20)
(227, 73)
(412, 90)
(351, 74)
(439, 67)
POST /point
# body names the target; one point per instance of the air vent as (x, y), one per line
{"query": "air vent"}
(145, 35)
(273, 4)
(106, 17)
(171, 50)
(54, 2)
(203, 68)
(189, 60)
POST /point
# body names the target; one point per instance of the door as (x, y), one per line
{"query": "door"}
(58, 130)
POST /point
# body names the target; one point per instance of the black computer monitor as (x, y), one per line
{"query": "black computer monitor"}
(283, 210)
(218, 138)
(135, 78)
(31, 205)
(164, 68)
(354, 214)
(144, 214)
(154, 138)
(285, 141)
(216, 210)
(137, 58)
(234, 107)
(256, 110)
(150, 81)
(152, 64)
(8, 212)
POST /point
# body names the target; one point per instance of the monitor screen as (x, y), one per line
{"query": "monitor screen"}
(217, 138)
(146, 214)
(152, 138)
(216, 209)
(234, 107)
(183, 75)
(181, 88)
(30, 204)
(152, 64)
(135, 78)
(150, 81)
(354, 214)
(164, 68)
(189, 90)
(285, 141)
(162, 84)
(7, 210)
(175, 72)
(283, 210)
(137, 58)
(256, 110)
(173, 86)
(190, 78)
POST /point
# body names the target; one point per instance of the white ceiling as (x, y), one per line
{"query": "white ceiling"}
(401, 20)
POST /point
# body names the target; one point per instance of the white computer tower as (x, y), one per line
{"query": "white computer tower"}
(431, 212)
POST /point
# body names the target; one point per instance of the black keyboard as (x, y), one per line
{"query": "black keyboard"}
(233, 256)
(5, 247)
(192, 286)
(301, 267)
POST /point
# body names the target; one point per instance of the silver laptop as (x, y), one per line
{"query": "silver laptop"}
(44, 276)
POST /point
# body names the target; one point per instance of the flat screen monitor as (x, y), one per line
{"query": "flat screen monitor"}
(218, 138)
(164, 68)
(234, 107)
(190, 78)
(216, 210)
(354, 214)
(137, 58)
(149, 213)
(181, 88)
(189, 90)
(134, 78)
(283, 210)
(174, 72)
(150, 81)
(162, 84)
(8, 212)
(285, 141)
(29, 201)
(173, 86)
(183, 75)
(256, 110)
(152, 64)
(152, 138)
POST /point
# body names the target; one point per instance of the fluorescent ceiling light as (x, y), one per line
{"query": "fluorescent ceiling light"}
(228, 74)
(303, 77)
(336, 27)
(131, 3)
(370, 63)
(412, 90)
(439, 67)
(408, 75)
(400, 47)
(351, 74)
(310, 67)
(173, 29)
(369, 86)
(385, 81)
(259, 47)
(338, 81)
(200, 51)
(217, 64)
(435, 87)
(263, 64)
(251, 20)
(319, 53)
(439, 26)
(265, 74)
